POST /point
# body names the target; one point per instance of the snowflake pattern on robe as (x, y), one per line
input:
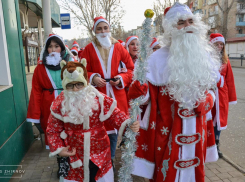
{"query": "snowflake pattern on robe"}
(153, 125)
(163, 91)
(144, 147)
(165, 168)
(164, 130)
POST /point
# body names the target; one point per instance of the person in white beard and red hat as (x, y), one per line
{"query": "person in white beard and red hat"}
(226, 90)
(155, 44)
(104, 55)
(132, 46)
(76, 126)
(181, 77)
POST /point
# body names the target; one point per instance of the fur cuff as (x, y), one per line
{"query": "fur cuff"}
(52, 154)
(122, 128)
(76, 164)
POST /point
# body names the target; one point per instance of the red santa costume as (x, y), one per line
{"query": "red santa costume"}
(44, 90)
(77, 120)
(154, 42)
(128, 41)
(172, 144)
(74, 50)
(226, 90)
(105, 63)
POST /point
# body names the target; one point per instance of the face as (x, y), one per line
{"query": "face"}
(156, 47)
(219, 46)
(133, 47)
(184, 23)
(102, 27)
(54, 47)
(74, 86)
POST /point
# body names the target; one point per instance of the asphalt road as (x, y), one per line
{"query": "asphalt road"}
(233, 138)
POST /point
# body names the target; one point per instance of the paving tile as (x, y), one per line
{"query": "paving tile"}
(206, 179)
(239, 179)
(213, 178)
(226, 169)
(215, 171)
(209, 173)
(235, 174)
(212, 166)
(224, 175)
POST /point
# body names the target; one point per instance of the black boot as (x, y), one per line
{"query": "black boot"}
(58, 161)
(219, 152)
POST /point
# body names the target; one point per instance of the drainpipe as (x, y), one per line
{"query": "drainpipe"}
(46, 18)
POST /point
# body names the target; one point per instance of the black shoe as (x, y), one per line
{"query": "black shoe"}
(113, 166)
(58, 161)
(219, 152)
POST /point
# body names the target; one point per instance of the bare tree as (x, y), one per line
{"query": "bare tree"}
(224, 14)
(86, 10)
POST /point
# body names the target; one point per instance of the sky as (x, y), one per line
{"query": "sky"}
(134, 16)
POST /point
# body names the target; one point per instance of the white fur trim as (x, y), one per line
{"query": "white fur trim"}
(52, 82)
(63, 135)
(142, 167)
(122, 128)
(222, 81)
(73, 45)
(110, 132)
(98, 21)
(212, 154)
(73, 50)
(144, 122)
(33, 120)
(86, 156)
(218, 39)
(123, 66)
(209, 116)
(91, 78)
(56, 115)
(108, 177)
(233, 102)
(188, 151)
(146, 99)
(76, 164)
(122, 87)
(51, 154)
(130, 40)
(153, 45)
(213, 95)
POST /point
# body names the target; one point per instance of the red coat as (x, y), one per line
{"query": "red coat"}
(40, 99)
(225, 95)
(95, 65)
(172, 141)
(91, 143)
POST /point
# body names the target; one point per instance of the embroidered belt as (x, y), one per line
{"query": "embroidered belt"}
(184, 164)
(185, 113)
(187, 139)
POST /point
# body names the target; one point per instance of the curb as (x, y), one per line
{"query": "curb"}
(228, 160)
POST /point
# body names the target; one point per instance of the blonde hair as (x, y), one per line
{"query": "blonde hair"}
(224, 56)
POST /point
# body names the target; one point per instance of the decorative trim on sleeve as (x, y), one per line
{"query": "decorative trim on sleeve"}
(33, 120)
(212, 154)
(222, 81)
(91, 78)
(76, 164)
(233, 103)
(213, 95)
(52, 154)
(122, 87)
(122, 128)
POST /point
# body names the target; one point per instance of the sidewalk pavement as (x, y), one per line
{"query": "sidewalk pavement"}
(40, 168)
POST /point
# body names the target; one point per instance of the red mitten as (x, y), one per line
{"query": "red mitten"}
(136, 90)
(205, 106)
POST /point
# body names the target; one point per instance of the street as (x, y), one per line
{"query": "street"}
(233, 138)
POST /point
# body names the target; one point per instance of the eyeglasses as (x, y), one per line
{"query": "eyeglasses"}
(78, 85)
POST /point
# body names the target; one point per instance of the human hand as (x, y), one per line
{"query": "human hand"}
(135, 126)
(116, 83)
(66, 153)
(98, 81)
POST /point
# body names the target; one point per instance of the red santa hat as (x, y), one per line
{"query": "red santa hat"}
(54, 35)
(75, 44)
(154, 42)
(129, 39)
(97, 20)
(74, 49)
(121, 42)
(216, 37)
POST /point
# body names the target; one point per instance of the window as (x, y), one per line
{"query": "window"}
(5, 77)
(240, 31)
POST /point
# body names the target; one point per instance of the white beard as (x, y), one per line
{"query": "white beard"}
(53, 58)
(191, 70)
(104, 39)
(78, 106)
